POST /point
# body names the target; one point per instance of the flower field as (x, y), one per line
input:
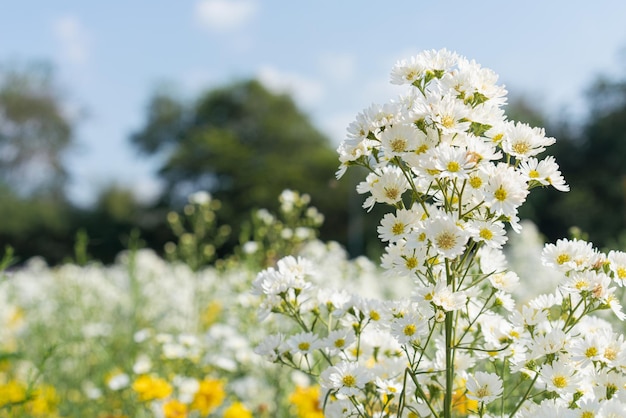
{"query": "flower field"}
(468, 313)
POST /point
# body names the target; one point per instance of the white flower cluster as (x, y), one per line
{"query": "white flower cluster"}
(455, 170)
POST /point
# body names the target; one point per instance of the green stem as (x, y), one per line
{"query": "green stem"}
(447, 401)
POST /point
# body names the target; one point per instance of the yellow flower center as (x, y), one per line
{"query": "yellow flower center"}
(500, 194)
(446, 240)
(621, 272)
(521, 147)
(398, 144)
(447, 121)
(303, 346)
(392, 194)
(374, 315)
(610, 354)
(559, 382)
(475, 182)
(533, 174)
(409, 330)
(591, 352)
(563, 258)
(349, 381)
(397, 228)
(486, 234)
(340, 342)
(411, 263)
(453, 166)
(482, 392)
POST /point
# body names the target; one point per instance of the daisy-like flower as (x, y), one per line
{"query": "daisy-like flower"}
(303, 343)
(567, 255)
(549, 343)
(505, 191)
(394, 227)
(492, 233)
(338, 340)
(560, 377)
(271, 347)
(444, 297)
(400, 139)
(484, 387)
(409, 329)
(545, 172)
(388, 387)
(522, 141)
(446, 236)
(506, 281)
(407, 71)
(449, 114)
(404, 260)
(452, 162)
(617, 264)
(345, 379)
(386, 186)
(612, 408)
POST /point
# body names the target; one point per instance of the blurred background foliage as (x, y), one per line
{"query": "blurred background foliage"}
(245, 145)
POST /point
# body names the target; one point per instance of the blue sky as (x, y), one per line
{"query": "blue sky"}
(333, 56)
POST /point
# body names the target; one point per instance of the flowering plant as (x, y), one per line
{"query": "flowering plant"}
(454, 171)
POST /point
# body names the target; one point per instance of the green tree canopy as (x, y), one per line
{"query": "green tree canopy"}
(35, 130)
(245, 145)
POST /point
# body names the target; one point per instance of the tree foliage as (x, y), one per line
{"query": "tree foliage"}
(35, 130)
(245, 145)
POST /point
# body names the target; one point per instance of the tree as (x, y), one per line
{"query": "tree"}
(244, 145)
(591, 155)
(34, 131)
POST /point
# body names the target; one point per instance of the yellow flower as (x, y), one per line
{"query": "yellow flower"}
(174, 409)
(209, 396)
(306, 401)
(44, 401)
(150, 387)
(12, 392)
(237, 410)
(462, 404)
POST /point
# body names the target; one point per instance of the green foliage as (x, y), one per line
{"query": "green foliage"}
(197, 231)
(34, 130)
(244, 145)
(592, 158)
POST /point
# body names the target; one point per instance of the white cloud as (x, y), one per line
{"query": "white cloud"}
(224, 15)
(306, 91)
(73, 38)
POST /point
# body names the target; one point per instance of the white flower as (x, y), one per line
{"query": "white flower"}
(560, 377)
(617, 264)
(444, 297)
(386, 186)
(567, 255)
(546, 172)
(505, 191)
(549, 343)
(409, 329)
(394, 227)
(484, 387)
(338, 340)
(404, 260)
(303, 343)
(346, 379)
(446, 236)
(118, 381)
(452, 162)
(400, 139)
(522, 141)
(492, 233)
(270, 347)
